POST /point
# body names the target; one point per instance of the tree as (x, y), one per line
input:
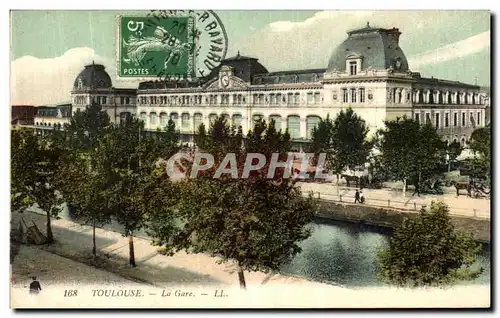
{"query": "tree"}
(82, 179)
(427, 250)
(86, 127)
(254, 222)
(35, 163)
(321, 142)
(480, 144)
(85, 188)
(22, 165)
(131, 161)
(349, 140)
(454, 149)
(410, 151)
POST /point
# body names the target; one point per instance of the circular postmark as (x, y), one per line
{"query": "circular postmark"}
(210, 41)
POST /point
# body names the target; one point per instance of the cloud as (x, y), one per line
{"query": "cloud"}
(469, 46)
(287, 45)
(37, 81)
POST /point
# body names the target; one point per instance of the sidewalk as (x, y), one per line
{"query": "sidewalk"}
(74, 241)
(462, 205)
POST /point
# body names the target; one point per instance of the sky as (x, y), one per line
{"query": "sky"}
(50, 48)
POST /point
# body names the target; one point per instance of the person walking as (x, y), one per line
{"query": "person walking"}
(35, 287)
(356, 197)
(361, 197)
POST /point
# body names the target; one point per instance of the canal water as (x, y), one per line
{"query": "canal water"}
(340, 253)
(345, 254)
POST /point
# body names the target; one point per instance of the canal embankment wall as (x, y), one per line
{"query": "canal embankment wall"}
(391, 218)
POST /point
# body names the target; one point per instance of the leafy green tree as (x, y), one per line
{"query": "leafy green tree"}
(427, 250)
(82, 181)
(349, 140)
(131, 160)
(454, 149)
(410, 151)
(35, 163)
(86, 127)
(480, 144)
(254, 222)
(22, 165)
(85, 188)
(321, 142)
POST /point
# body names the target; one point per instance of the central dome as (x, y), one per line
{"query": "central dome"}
(377, 48)
(92, 77)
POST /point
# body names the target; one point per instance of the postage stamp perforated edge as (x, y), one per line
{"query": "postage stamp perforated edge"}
(118, 19)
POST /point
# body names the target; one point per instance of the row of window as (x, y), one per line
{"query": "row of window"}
(353, 95)
(101, 100)
(437, 117)
(56, 125)
(292, 121)
(438, 97)
(235, 99)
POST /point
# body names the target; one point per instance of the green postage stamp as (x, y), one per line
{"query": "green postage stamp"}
(155, 46)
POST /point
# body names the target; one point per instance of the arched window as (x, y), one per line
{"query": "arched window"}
(236, 120)
(293, 124)
(212, 117)
(185, 121)
(175, 119)
(163, 120)
(152, 119)
(197, 121)
(144, 118)
(312, 122)
(255, 119)
(277, 121)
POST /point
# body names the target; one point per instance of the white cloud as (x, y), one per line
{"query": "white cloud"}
(37, 81)
(471, 45)
(286, 45)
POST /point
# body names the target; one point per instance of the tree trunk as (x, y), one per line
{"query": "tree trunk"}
(131, 250)
(404, 187)
(50, 237)
(241, 277)
(94, 249)
(338, 179)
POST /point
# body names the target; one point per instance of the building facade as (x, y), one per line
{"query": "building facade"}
(368, 72)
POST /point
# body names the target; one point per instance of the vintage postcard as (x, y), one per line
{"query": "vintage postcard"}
(250, 159)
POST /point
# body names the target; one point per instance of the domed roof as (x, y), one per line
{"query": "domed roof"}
(244, 67)
(378, 48)
(92, 77)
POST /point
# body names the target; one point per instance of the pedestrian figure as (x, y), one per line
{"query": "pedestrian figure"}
(35, 287)
(362, 197)
(356, 197)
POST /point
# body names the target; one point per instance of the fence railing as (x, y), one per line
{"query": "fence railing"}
(409, 207)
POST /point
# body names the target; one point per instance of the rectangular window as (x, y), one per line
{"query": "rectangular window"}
(361, 95)
(478, 118)
(463, 119)
(446, 120)
(353, 68)
(297, 99)
(437, 119)
(290, 98)
(278, 98)
(455, 119)
(353, 95)
(427, 118)
(345, 95)
(309, 98)
(317, 98)
(261, 99)
(273, 99)
(417, 118)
